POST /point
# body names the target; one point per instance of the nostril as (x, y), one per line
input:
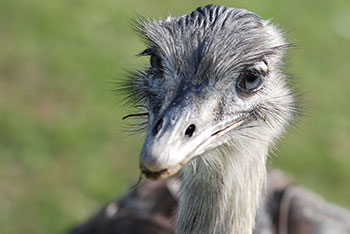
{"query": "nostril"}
(190, 130)
(158, 126)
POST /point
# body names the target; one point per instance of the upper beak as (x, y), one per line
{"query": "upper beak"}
(177, 136)
(167, 147)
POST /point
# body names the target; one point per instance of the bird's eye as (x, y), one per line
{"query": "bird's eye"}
(249, 82)
(156, 64)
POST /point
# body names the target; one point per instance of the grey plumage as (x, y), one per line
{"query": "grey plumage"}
(216, 99)
(212, 45)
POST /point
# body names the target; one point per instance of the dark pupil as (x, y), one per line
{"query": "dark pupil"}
(156, 63)
(251, 78)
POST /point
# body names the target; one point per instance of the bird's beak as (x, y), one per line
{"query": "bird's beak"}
(176, 137)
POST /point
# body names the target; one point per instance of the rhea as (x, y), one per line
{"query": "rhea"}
(214, 100)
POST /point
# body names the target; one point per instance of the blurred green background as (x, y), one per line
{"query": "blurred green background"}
(64, 150)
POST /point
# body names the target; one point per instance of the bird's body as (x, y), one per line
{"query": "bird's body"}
(217, 99)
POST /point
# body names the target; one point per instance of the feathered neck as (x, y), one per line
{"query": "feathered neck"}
(221, 191)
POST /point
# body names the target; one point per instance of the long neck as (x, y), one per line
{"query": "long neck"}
(221, 191)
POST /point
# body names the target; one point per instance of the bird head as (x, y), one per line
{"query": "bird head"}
(215, 77)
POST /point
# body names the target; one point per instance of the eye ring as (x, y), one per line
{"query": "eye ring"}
(249, 82)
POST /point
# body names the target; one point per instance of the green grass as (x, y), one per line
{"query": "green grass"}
(63, 147)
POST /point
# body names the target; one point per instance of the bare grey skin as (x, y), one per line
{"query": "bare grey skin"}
(214, 100)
